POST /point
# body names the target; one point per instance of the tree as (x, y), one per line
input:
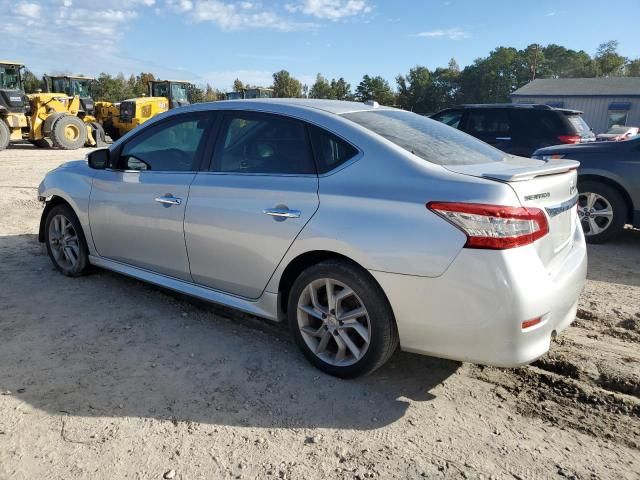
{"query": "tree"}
(286, 86)
(195, 94)
(560, 62)
(633, 68)
(608, 62)
(238, 86)
(31, 83)
(375, 88)
(341, 89)
(321, 89)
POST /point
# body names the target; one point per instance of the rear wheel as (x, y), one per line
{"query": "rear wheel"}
(601, 210)
(5, 135)
(69, 132)
(65, 242)
(341, 319)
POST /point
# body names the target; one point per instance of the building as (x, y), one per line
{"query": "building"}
(604, 101)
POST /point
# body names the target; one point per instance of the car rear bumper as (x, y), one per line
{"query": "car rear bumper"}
(474, 311)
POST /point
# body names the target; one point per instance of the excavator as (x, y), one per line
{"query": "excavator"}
(44, 119)
(120, 118)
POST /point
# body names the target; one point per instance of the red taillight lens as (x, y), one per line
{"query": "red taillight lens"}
(494, 227)
(570, 138)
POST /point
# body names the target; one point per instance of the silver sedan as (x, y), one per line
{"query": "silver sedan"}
(363, 227)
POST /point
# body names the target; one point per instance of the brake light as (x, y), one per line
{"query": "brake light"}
(494, 227)
(571, 139)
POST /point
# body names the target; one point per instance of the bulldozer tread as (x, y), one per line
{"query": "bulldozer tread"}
(5, 135)
(69, 133)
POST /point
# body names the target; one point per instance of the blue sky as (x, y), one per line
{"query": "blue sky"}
(216, 40)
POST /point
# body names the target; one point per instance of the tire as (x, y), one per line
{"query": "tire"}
(595, 197)
(5, 135)
(69, 133)
(329, 336)
(69, 256)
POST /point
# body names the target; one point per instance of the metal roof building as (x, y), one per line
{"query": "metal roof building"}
(604, 101)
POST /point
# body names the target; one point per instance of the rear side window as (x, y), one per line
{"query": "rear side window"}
(428, 139)
(262, 143)
(450, 117)
(330, 151)
(492, 121)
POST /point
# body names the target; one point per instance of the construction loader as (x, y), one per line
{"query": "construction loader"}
(44, 119)
(120, 118)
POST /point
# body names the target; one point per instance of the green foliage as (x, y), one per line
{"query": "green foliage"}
(321, 89)
(238, 86)
(633, 68)
(375, 88)
(31, 83)
(286, 86)
(608, 62)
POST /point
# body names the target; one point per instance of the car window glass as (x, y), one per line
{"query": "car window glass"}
(488, 122)
(426, 138)
(170, 146)
(451, 118)
(330, 151)
(261, 143)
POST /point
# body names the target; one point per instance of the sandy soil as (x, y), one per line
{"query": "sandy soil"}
(107, 377)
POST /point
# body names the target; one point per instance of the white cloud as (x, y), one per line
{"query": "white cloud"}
(552, 13)
(330, 9)
(31, 10)
(450, 33)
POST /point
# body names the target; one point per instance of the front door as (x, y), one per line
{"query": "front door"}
(245, 213)
(137, 207)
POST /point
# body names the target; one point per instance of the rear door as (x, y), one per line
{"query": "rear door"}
(491, 125)
(246, 211)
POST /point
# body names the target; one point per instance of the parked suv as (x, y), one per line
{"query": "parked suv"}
(518, 129)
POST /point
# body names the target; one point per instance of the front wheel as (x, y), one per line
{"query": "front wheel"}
(65, 242)
(601, 210)
(5, 135)
(69, 132)
(341, 319)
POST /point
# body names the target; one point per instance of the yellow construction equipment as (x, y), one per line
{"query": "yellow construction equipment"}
(44, 119)
(120, 118)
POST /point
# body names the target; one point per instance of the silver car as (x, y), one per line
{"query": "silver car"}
(364, 227)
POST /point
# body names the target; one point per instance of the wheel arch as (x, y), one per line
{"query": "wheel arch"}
(613, 184)
(305, 260)
(54, 201)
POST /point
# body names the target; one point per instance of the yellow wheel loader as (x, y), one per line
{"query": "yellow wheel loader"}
(120, 118)
(44, 119)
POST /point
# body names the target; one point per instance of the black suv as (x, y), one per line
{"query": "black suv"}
(518, 129)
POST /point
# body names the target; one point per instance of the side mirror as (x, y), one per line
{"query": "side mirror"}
(99, 159)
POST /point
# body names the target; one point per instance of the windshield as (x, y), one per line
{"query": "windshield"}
(428, 139)
(80, 87)
(179, 92)
(10, 77)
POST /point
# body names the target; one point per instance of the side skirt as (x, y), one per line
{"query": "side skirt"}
(266, 306)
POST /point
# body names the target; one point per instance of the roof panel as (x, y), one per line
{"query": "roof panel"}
(614, 86)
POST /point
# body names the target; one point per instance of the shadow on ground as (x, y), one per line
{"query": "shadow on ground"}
(107, 345)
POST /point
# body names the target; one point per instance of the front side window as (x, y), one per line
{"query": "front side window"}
(160, 90)
(10, 78)
(178, 92)
(262, 143)
(80, 88)
(430, 140)
(170, 146)
(450, 117)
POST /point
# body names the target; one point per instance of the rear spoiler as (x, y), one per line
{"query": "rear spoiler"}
(520, 174)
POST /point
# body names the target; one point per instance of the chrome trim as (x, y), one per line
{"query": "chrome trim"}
(282, 212)
(169, 200)
(563, 207)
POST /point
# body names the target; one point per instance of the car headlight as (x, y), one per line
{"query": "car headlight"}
(555, 156)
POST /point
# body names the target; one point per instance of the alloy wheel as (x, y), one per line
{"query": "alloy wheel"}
(334, 322)
(64, 242)
(595, 213)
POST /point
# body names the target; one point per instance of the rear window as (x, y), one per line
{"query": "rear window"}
(578, 122)
(428, 139)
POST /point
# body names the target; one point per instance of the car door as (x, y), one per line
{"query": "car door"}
(491, 125)
(245, 212)
(137, 206)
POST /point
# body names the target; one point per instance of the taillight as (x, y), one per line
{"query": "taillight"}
(494, 227)
(570, 138)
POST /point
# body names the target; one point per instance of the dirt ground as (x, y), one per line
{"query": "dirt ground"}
(107, 377)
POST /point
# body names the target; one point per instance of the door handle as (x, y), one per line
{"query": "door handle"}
(282, 212)
(169, 200)
(503, 138)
